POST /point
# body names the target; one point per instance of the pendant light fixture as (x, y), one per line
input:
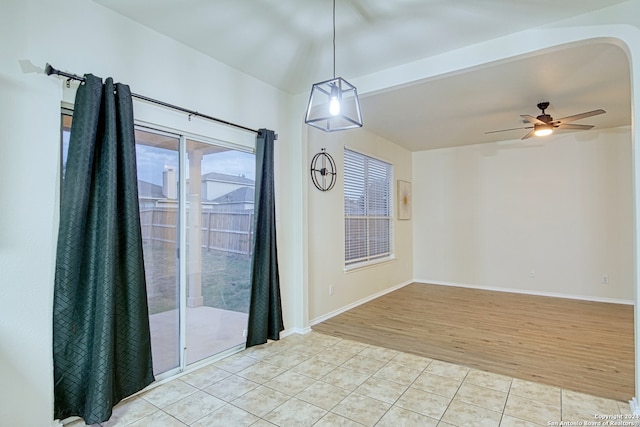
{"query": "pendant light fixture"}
(333, 104)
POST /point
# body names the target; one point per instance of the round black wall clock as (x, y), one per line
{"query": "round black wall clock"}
(323, 171)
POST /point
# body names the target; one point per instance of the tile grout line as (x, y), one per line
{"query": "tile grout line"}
(407, 389)
(561, 406)
(507, 400)
(455, 394)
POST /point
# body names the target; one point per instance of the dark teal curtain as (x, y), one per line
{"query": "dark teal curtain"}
(101, 340)
(265, 311)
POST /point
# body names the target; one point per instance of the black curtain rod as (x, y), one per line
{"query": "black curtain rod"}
(49, 70)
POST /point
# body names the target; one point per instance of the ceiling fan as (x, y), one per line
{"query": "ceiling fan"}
(544, 124)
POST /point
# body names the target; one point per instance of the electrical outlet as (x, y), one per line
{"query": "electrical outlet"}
(330, 289)
(605, 279)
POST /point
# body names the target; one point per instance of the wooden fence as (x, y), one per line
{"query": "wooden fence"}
(222, 231)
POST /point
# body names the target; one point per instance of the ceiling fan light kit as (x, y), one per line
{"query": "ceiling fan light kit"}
(544, 124)
(542, 130)
(333, 104)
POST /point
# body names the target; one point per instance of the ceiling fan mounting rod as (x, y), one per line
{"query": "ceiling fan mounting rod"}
(543, 106)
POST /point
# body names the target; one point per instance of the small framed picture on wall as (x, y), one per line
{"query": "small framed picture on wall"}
(404, 200)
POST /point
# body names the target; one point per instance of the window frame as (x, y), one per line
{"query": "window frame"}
(369, 258)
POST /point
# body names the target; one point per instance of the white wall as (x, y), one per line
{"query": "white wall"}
(326, 228)
(26, 230)
(561, 207)
(81, 37)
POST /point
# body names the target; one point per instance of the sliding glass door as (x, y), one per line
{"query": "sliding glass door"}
(196, 212)
(158, 158)
(219, 221)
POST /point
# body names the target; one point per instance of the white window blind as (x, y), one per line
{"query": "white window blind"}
(367, 208)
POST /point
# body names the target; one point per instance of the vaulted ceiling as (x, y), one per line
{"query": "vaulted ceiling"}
(288, 44)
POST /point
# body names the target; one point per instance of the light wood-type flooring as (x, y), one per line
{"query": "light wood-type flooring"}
(577, 345)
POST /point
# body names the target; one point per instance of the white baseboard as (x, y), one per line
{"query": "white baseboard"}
(528, 292)
(328, 316)
(291, 331)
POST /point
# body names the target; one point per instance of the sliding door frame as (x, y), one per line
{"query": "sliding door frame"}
(181, 253)
(182, 240)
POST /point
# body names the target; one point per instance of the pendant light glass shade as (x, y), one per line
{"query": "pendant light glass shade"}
(334, 105)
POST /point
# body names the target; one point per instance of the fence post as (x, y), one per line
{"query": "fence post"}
(153, 221)
(249, 246)
(208, 231)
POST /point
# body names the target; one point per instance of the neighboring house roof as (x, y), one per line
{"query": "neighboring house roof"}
(241, 195)
(233, 179)
(147, 190)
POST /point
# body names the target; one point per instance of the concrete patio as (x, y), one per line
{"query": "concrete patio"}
(209, 331)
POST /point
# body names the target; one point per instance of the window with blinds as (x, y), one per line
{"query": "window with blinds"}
(367, 208)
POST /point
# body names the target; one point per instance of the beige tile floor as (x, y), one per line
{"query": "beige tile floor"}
(318, 380)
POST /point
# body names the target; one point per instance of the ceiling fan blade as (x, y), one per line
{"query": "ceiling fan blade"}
(529, 135)
(579, 116)
(574, 127)
(505, 130)
(532, 120)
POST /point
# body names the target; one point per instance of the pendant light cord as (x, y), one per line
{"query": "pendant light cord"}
(334, 39)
